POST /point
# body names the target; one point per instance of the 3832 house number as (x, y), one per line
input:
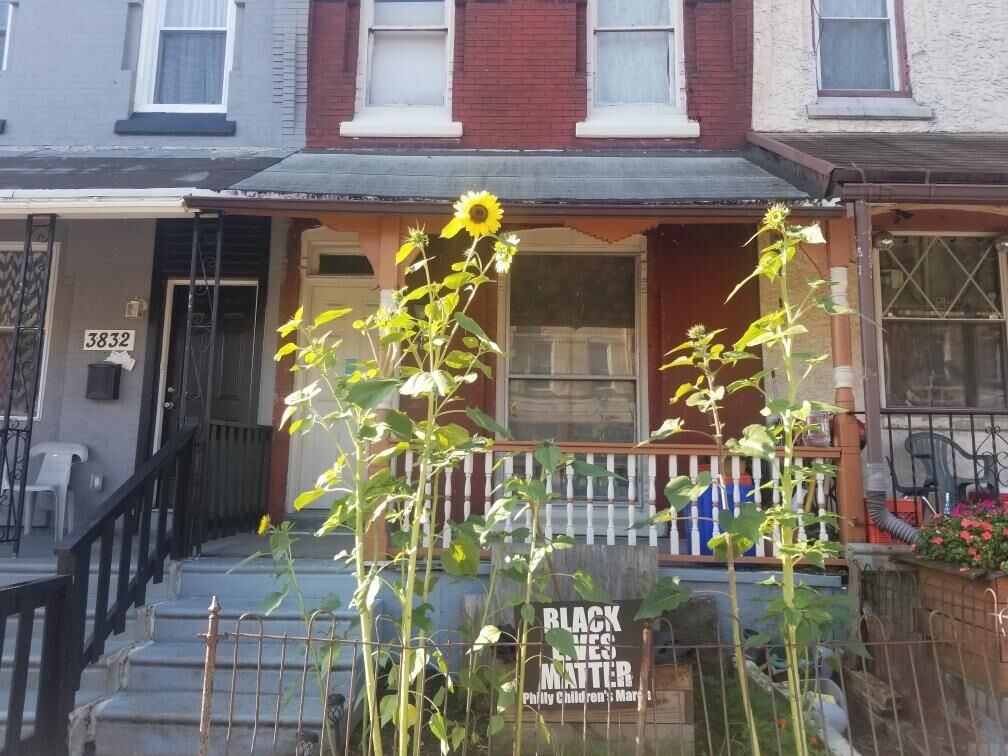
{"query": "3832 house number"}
(100, 339)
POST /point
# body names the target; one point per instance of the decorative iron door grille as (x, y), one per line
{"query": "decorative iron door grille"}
(24, 292)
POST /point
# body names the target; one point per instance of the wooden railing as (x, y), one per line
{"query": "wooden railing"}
(611, 509)
(235, 480)
(159, 489)
(54, 698)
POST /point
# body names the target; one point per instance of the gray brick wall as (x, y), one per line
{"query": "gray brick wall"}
(71, 71)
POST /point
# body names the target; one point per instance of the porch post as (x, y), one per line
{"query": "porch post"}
(850, 485)
(875, 483)
(23, 375)
(383, 246)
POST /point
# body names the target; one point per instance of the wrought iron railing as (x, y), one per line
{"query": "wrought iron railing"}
(234, 483)
(150, 513)
(937, 458)
(19, 604)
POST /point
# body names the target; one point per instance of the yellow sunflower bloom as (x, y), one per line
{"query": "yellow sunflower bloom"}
(264, 524)
(775, 216)
(479, 213)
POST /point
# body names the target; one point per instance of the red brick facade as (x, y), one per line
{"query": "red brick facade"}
(519, 75)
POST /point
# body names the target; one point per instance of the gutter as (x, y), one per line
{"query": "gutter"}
(97, 203)
(969, 194)
(313, 206)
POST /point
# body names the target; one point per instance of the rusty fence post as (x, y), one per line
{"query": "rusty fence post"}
(208, 674)
(647, 659)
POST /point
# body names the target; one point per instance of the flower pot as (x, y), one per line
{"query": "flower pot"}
(965, 612)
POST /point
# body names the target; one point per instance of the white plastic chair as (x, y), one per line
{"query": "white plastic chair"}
(53, 478)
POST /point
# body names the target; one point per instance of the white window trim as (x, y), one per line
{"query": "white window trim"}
(150, 40)
(47, 326)
(399, 121)
(896, 83)
(568, 242)
(5, 53)
(640, 121)
(881, 318)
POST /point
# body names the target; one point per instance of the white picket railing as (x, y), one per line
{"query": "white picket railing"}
(605, 509)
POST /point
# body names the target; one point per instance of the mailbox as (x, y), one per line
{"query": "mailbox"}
(103, 380)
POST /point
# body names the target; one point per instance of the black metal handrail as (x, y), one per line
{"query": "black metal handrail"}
(54, 699)
(160, 484)
(938, 457)
(234, 486)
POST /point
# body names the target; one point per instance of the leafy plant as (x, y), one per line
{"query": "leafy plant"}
(973, 536)
(799, 612)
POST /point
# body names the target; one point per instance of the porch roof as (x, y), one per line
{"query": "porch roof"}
(638, 178)
(936, 167)
(83, 169)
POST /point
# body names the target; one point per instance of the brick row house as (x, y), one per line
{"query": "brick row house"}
(188, 172)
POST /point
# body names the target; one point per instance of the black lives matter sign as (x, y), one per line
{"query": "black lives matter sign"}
(605, 670)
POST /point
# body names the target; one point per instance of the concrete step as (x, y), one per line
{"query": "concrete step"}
(210, 576)
(179, 667)
(184, 619)
(166, 723)
(95, 678)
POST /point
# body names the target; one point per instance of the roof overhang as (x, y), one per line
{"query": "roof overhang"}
(536, 183)
(890, 168)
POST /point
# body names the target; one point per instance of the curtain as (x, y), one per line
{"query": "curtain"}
(632, 67)
(408, 68)
(633, 12)
(414, 12)
(855, 54)
(195, 13)
(191, 68)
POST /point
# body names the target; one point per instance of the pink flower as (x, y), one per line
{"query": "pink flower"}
(965, 523)
(940, 541)
(971, 551)
(1004, 531)
(986, 535)
(914, 547)
(986, 527)
(965, 535)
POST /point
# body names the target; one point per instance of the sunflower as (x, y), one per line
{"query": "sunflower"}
(264, 524)
(479, 213)
(775, 216)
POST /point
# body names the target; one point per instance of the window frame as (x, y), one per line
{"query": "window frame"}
(899, 76)
(5, 53)
(17, 248)
(556, 242)
(147, 65)
(387, 120)
(639, 120)
(1002, 261)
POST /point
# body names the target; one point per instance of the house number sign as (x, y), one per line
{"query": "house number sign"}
(102, 339)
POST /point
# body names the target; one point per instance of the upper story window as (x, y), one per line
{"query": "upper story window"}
(856, 41)
(6, 17)
(404, 75)
(636, 82)
(185, 55)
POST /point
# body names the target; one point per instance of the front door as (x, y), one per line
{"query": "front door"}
(236, 357)
(317, 451)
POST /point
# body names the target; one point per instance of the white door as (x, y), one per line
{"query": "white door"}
(318, 450)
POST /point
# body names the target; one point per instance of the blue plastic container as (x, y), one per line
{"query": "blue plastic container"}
(705, 507)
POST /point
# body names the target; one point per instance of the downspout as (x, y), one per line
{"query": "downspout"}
(875, 483)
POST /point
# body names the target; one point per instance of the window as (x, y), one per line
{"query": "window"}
(6, 18)
(636, 82)
(943, 323)
(572, 369)
(25, 380)
(186, 56)
(857, 45)
(405, 64)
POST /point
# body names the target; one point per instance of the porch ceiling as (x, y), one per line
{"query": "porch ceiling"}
(652, 179)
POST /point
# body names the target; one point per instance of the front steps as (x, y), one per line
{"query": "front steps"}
(157, 707)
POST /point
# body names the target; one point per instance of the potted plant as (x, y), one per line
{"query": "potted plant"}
(962, 576)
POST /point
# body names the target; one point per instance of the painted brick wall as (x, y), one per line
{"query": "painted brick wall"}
(519, 75)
